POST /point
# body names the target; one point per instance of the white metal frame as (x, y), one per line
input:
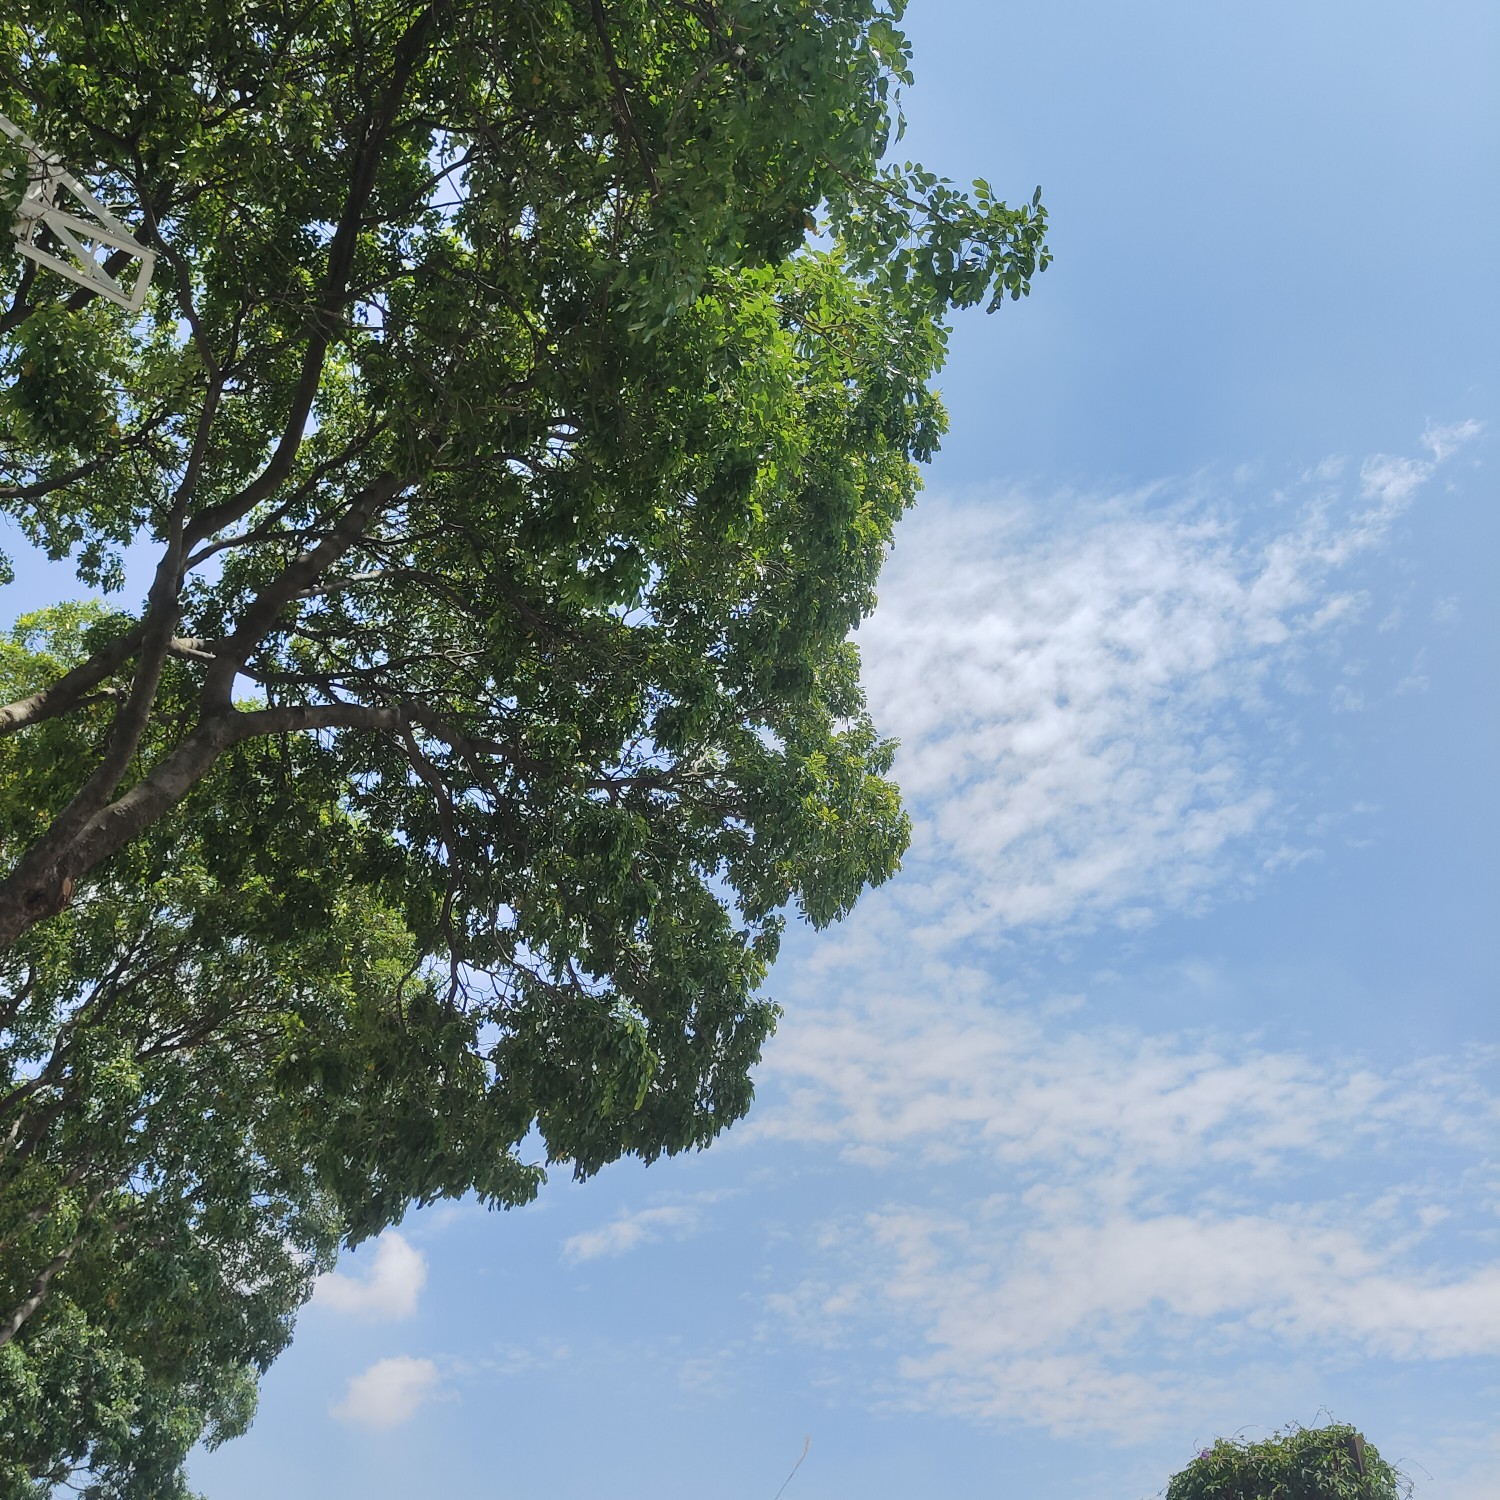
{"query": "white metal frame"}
(84, 229)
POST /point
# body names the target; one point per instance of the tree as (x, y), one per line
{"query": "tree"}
(520, 416)
(1302, 1463)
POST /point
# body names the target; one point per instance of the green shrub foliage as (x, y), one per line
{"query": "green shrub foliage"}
(1303, 1463)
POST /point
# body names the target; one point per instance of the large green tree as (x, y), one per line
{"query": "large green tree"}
(522, 410)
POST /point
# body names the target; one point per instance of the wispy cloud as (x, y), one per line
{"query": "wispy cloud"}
(629, 1231)
(389, 1392)
(1081, 1226)
(931, 1067)
(1088, 694)
(387, 1288)
(1120, 1322)
(1445, 439)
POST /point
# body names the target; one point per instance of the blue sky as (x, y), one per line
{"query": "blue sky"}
(1158, 1097)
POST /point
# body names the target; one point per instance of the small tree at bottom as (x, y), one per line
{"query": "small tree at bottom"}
(1303, 1463)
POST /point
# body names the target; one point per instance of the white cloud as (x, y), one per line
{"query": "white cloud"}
(631, 1230)
(1446, 611)
(1106, 1323)
(389, 1392)
(1417, 679)
(1393, 484)
(388, 1289)
(1087, 694)
(1442, 440)
(934, 1071)
(1084, 1226)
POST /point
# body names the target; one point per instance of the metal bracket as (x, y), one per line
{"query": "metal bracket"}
(80, 233)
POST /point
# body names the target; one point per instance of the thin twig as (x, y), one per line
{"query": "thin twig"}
(806, 1444)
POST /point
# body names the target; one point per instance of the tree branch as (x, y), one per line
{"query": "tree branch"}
(60, 696)
(325, 318)
(36, 889)
(620, 104)
(10, 1326)
(262, 611)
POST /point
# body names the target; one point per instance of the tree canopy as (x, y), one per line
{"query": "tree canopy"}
(518, 421)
